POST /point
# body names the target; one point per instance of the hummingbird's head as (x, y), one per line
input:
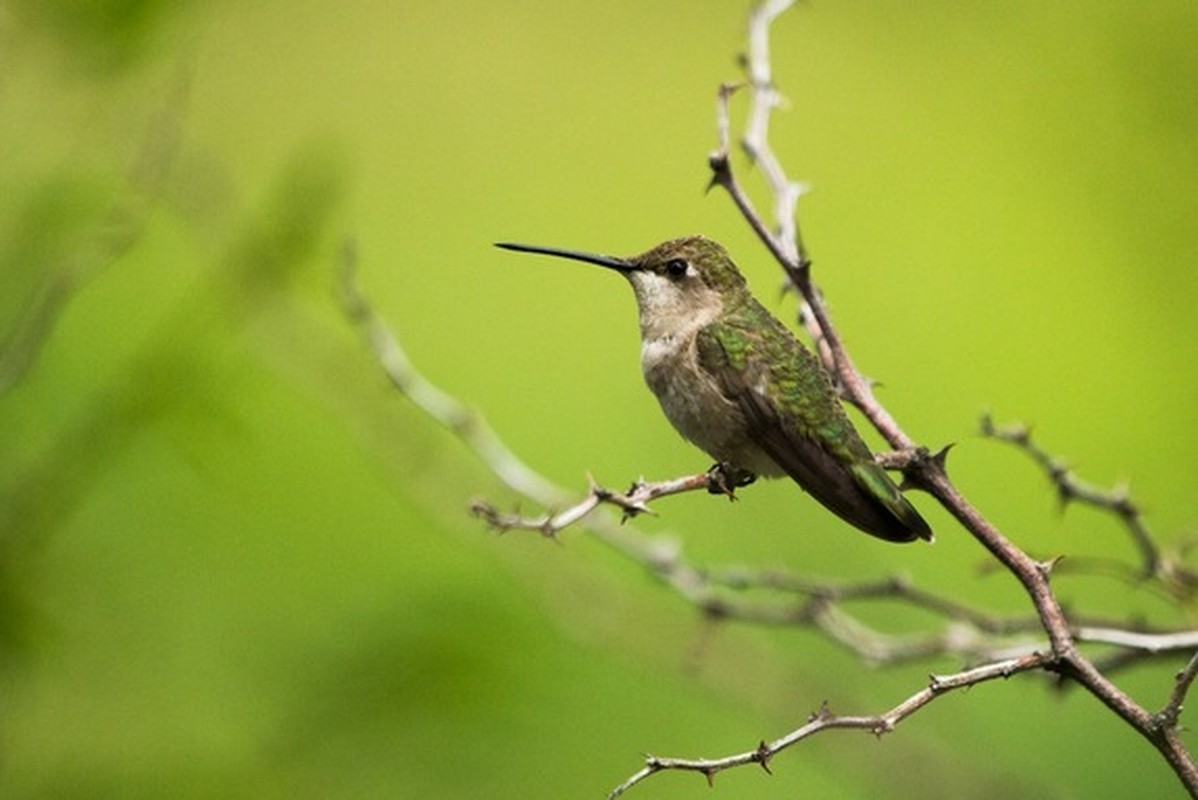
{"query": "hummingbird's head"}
(682, 283)
(691, 261)
(677, 283)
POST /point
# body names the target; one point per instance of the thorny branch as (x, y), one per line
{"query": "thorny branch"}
(633, 502)
(1047, 640)
(1168, 716)
(824, 719)
(926, 473)
(1178, 580)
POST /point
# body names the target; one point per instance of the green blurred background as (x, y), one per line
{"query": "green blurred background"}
(235, 564)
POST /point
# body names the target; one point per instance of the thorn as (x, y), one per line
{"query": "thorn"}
(940, 457)
(763, 757)
(715, 173)
(1046, 567)
(634, 509)
(729, 89)
(600, 492)
(986, 424)
(710, 775)
(717, 160)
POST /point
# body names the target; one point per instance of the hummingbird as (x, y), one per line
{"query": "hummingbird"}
(736, 382)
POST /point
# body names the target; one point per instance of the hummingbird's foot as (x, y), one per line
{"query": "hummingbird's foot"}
(723, 478)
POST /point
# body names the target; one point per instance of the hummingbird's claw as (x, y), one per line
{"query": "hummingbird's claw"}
(723, 478)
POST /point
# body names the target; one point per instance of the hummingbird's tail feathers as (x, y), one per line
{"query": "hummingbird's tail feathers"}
(904, 524)
(861, 494)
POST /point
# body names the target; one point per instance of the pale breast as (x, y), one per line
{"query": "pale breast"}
(696, 407)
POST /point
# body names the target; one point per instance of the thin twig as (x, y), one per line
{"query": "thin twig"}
(755, 141)
(824, 719)
(439, 405)
(1070, 488)
(631, 503)
(1169, 715)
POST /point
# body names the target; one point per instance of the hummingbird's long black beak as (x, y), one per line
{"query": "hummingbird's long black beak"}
(611, 262)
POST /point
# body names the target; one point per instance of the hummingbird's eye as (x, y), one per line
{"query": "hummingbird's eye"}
(676, 267)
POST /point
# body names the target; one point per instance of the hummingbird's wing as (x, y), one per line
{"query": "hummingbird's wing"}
(793, 415)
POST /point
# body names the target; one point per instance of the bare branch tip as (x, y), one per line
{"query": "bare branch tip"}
(482, 509)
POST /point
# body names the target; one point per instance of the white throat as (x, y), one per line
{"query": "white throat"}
(670, 316)
(668, 310)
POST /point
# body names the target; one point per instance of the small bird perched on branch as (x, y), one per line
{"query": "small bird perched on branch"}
(736, 382)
